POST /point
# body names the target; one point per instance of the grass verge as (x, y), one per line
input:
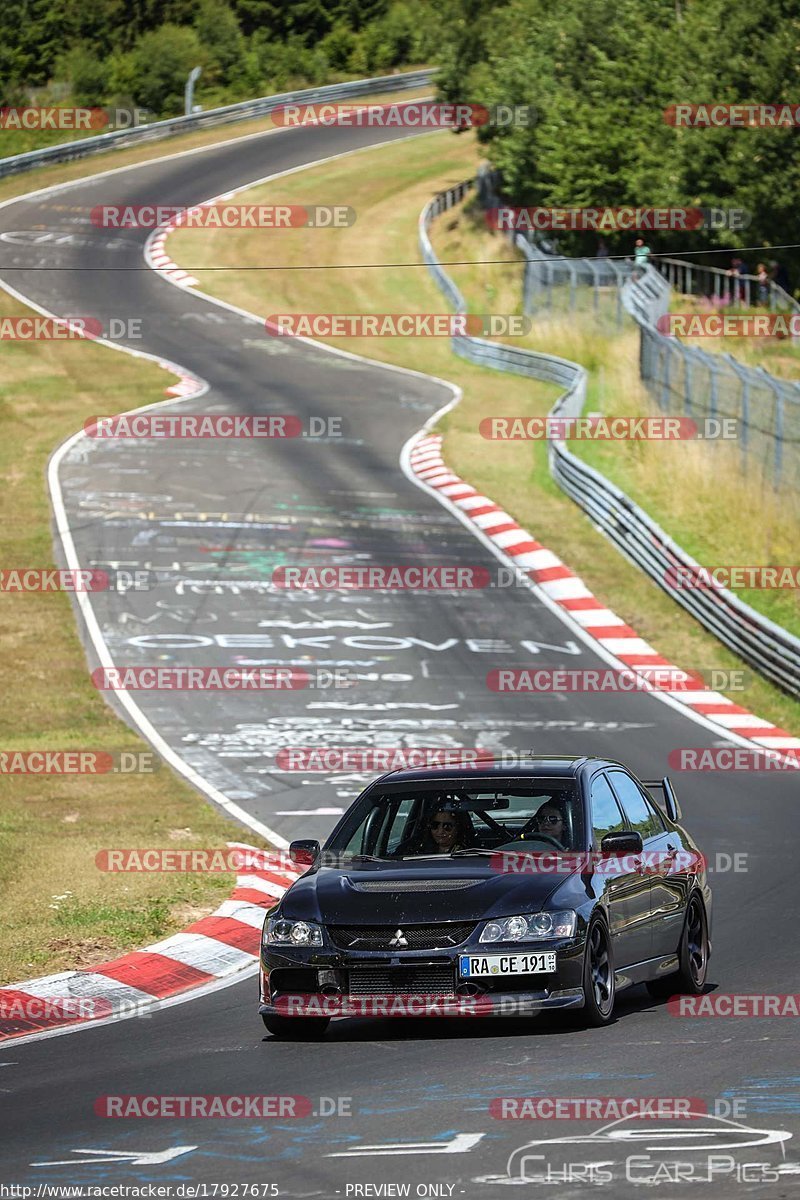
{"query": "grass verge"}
(59, 909)
(779, 355)
(388, 187)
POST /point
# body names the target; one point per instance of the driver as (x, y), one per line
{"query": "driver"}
(550, 821)
(448, 828)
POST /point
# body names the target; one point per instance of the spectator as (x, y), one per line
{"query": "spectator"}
(763, 284)
(641, 257)
(738, 268)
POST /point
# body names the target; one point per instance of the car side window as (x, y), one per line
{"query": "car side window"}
(638, 813)
(606, 815)
(399, 825)
(366, 837)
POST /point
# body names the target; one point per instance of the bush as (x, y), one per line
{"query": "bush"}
(219, 32)
(161, 61)
(88, 75)
(337, 46)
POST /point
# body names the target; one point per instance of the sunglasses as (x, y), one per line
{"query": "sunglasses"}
(446, 825)
(549, 819)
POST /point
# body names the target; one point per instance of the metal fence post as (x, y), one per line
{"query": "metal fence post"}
(743, 376)
(665, 386)
(688, 364)
(777, 392)
(619, 278)
(527, 284)
(712, 379)
(595, 284)
(778, 439)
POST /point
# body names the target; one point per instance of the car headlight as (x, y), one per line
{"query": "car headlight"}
(531, 927)
(280, 932)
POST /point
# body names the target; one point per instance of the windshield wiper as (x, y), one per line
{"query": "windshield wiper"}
(367, 858)
(415, 857)
(471, 850)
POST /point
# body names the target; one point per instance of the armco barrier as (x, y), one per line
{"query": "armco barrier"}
(122, 138)
(767, 647)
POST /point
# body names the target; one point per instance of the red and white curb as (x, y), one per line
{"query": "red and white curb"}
(218, 946)
(187, 385)
(163, 264)
(156, 250)
(570, 594)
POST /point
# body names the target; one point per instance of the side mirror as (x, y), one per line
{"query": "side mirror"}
(305, 852)
(626, 841)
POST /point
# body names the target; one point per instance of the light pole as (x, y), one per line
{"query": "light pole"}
(188, 95)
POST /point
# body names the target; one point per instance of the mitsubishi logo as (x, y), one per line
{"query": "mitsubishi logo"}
(398, 940)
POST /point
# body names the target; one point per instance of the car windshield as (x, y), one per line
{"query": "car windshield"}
(424, 820)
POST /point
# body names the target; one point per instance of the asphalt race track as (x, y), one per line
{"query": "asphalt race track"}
(204, 518)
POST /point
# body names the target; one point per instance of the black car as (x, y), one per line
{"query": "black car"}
(551, 884)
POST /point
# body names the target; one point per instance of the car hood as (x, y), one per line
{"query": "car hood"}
(383, 893)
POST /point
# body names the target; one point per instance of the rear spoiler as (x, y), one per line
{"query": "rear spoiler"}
(670, 799)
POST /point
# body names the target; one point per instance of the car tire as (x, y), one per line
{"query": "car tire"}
(296, 1029)
(693, 952)
(599, 984)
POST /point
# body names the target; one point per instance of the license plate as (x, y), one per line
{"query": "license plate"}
(479, 966)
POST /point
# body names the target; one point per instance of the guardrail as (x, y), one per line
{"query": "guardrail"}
(771, 650)
(122, 138)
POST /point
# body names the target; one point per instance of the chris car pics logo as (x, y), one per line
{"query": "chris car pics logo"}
(695, 1147)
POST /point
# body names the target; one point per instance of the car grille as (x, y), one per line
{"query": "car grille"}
(437, 980)
(418, 937)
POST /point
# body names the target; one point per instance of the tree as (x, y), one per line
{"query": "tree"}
(88, 75)
(162, 60)
(219, 32)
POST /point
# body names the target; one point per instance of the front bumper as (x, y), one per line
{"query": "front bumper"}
(324, 981)
(521, 1004)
